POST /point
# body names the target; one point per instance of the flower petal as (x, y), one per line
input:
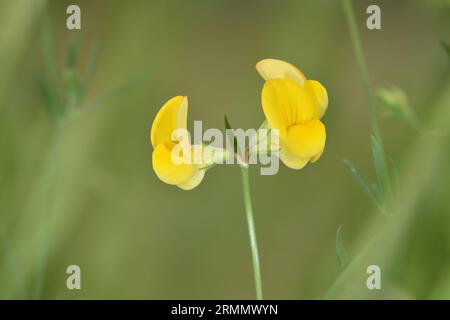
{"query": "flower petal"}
(292, 161)
(168, 171)
(285, 104)
(194, 181)
(316, 158)
(279, 69)
(320, 93)
(172, 116)
(305, 140)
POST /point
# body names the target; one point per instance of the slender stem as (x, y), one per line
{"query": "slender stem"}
(251, 231)
(371, 105)
(51, 180)
(350, 16)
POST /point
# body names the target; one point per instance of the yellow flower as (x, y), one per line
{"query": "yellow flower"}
(173, 116)
(294, 105)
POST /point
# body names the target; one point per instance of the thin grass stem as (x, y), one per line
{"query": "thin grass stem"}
(381, 169)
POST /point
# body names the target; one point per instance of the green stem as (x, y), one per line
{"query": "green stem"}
(371, 105)
(251, 231)
(350, 16)
(51, 180)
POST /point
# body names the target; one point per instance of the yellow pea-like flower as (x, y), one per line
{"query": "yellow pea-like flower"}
(294, 106)
(173, 116)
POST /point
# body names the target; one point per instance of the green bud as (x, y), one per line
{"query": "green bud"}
(393, 102)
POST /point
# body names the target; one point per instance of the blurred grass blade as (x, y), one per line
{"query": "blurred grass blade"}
(45, 95)
(96, 103)
(362, 182)
(72, 52)
(380, 169)
(50, 63)
(230, 136)
(73, 86)
(18, 20)
(385, 240)
(340, 250)
(74, 90)
(91, 64)
(395, 175)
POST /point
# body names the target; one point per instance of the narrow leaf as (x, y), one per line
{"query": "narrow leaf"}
(50, 63)
(73, 90)
(45, 95)
(230, 136)
(72, 52)
(113, 94)
(227, 123)
(380, 168)
(340, 250)
(362, 182)
(396, 179)
(91, 64)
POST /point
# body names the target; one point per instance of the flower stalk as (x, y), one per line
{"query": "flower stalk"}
(252, 231)
(291, 103)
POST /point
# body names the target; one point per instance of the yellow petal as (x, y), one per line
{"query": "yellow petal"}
(194, 181)
(292, 161)
(279, 69)
(320, 93)
(305, 140)
(316, 158)
(285, 104)
(167, 170)
(172, 116)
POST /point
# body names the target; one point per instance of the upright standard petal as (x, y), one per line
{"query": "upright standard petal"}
(278, 69)
(172, 116)
(321, 96)
(285, 104)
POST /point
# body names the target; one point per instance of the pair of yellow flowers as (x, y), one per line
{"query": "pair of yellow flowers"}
(292, 104)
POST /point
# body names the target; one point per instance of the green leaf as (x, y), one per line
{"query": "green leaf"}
(229, 134)
(380, 167)
(340, 250)
(362, 182)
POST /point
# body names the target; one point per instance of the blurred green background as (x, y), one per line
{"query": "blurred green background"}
(136, 237)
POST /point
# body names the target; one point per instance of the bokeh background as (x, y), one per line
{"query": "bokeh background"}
(135, 237)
